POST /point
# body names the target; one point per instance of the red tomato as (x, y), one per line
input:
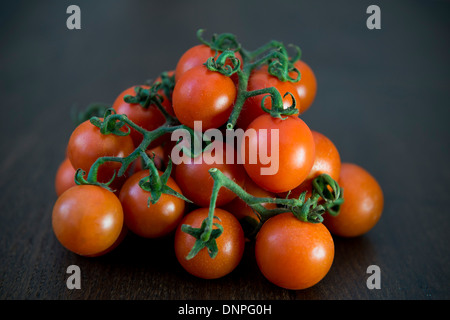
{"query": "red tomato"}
(156, 220)
(197, 56)
(260, 79)
(327, 158)
(149, 118)
(291, 159)
(230, 245)
(87, 144)
(65, 177)
(196, 182)
(327, 161)
(240, 209)
(307, 86)
(87, 219)
(293, 254)
(203, 95)
(363, 203)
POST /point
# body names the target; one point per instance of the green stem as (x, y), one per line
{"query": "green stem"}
(250, 56)
(310, 210)
(212, 205)
(243, 76)
(148, 137)
(221, 180)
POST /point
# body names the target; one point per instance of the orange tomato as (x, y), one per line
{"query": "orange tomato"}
(363, 203)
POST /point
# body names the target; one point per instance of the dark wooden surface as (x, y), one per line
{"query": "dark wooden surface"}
(383, 99)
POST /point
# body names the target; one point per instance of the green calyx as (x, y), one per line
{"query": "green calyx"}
(156, 184)
(321, 201)
(210, 244)
(220, 42)
(110, 125)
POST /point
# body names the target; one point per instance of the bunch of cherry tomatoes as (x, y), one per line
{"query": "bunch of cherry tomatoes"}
(118, 175)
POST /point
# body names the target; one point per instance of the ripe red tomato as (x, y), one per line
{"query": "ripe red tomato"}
(307, 86)
(327, 158)
(197, 184)
(240, 209)
(203, 95)
(293, 254)
(197, 56)
(230, 245)
(149, 118)
(290, 159)
(87, 219)
(65, 177)
(327, 161)
(156, 220)
(87, 144)
(260, 79)
(363, 203)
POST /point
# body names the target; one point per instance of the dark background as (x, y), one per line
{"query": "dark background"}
(383, 99)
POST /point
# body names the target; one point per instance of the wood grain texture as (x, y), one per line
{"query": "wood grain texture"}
(383, 99)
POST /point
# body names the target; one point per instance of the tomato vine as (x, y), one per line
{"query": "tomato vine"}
(326, 196)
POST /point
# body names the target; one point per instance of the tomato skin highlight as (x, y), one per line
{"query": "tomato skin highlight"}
(203, 95)
(65, 177)
(293, 254)
(158, 219)
(295, 148)
(87, 219)
(363, 203)
(230, 244)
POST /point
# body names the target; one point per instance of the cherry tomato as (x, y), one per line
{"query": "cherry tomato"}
(87, 144)
(149, 118)
(327, 158)
(203, 95)
(363, 203)
(65, 177)
(230, 245)
(260, 79)
(289, 158)
(327, 161)
(87, 219)
(155, 220)
(240, 209)
(293, 254)
(307, 86)
(197, 56)
(197, 184)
